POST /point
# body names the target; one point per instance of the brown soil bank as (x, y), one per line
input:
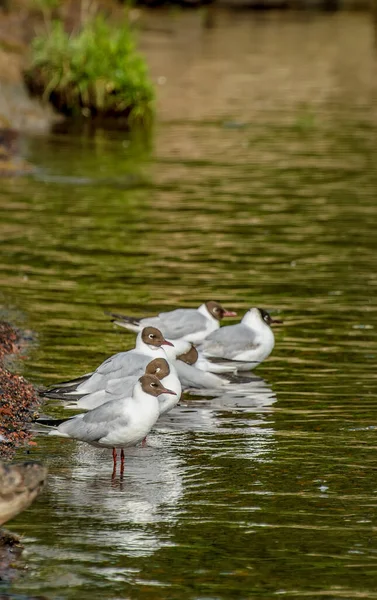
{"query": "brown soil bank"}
(18, 112)
(18, 399)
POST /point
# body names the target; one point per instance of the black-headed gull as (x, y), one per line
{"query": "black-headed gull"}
(149, 344)
(190, 324)
(119, 388)
(251, 341)
(118, 423)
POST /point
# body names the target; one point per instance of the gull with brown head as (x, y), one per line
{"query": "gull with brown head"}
(188, 324)
(119, 423)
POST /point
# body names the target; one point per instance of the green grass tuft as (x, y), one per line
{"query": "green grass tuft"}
(96, 72)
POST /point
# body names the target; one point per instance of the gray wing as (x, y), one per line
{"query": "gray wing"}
(191, 377)
(129, 362)
(229, 341)
(115, 389)
(177, 323)
(97, 423)
(123, 364)
(124, 385)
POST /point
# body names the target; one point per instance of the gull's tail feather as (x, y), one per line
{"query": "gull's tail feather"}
(48, 426)
(50, 421)
(64, 387)
(132, 323)
(62, 394)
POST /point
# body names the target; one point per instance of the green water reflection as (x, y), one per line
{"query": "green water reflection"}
(256, 495)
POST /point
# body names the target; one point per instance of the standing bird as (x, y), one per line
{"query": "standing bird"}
(122, 387)
(149, 344)
(119, 423)
(251, 341)
(189, 324)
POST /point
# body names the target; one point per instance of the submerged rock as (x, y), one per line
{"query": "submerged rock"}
(10, 161)
(10, 550)
(20, 484)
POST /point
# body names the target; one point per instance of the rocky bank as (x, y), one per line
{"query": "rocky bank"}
(18, 399)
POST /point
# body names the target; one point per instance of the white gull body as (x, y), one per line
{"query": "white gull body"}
(251, 341)
(118, 423)
(192, 377)
(214, 364)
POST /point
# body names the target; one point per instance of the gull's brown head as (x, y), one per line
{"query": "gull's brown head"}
(151, 385)
(217, 311)
(153, 337)
(189, 357)
(158, 367)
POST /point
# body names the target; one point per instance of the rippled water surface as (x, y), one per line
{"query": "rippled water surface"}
(258, 187)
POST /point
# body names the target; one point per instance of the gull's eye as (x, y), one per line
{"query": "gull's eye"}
(158, 370)
(151, 336)
(154, 384)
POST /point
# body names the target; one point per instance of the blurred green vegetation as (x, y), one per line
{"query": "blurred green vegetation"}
(94, 72)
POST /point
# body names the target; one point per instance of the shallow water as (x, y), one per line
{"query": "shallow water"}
(257, 188)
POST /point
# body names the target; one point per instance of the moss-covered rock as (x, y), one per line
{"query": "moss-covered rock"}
(96, 72)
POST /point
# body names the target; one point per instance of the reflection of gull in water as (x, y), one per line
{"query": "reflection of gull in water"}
(148, 494)
(240, 409)
(244, 393)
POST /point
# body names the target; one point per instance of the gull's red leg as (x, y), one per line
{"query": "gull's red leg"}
(114, 462)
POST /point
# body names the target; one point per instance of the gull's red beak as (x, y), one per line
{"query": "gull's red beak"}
(276, 321)
(166, 343)
(166, 391)
(229, 313)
